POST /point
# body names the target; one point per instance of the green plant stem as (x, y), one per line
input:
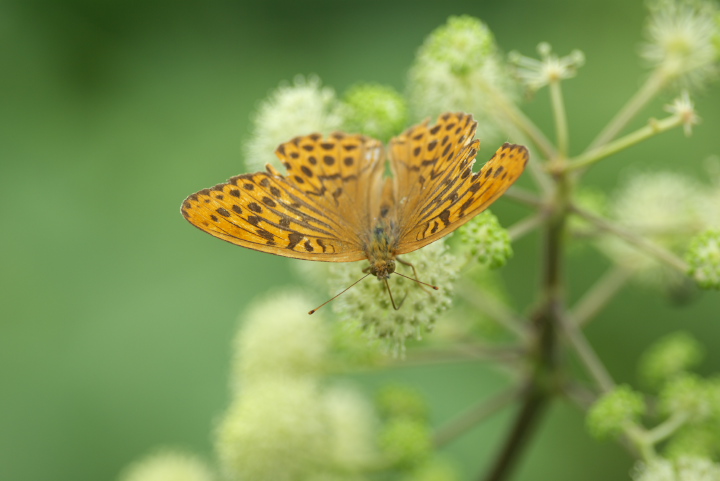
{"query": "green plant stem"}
(561, 126)
(587, 355)
(637, 437)
(654, 127)
(523, 196)
(600, 294)
(669, 426)
(525, 226)
(521, 121)
(495, 309)
(541, 384)
(525, 128)
(467, 420)
(534, 402)
(630, 237)
(655, 82)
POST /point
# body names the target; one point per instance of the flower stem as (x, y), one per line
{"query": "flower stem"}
(561, 126)
(534, 402)
(587, 355)
(542, 379)
(522, 122)
(599, 294)
(630, 237)
(669, 426)
(494, 308)
(654, 127)
(473, 416)
(655, 82)
(525, 226)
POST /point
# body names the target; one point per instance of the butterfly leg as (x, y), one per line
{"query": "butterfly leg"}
(415, 276)
(399, 305)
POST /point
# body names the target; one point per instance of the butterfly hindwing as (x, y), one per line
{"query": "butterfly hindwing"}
(302, 214)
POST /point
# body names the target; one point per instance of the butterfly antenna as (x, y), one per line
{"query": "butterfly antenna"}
(340, 294)
(415, 280)
(396, 307)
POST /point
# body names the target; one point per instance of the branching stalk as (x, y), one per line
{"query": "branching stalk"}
(561, 126)
(600, 294)
(630, 237)
(654, 127)
(469, 419)
(649, 89)
(587, 355)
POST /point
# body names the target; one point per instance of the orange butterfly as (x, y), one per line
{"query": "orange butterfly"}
(336, 205)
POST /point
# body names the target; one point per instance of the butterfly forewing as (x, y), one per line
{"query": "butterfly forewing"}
(464, 195)
(423, 159)
(308, 214)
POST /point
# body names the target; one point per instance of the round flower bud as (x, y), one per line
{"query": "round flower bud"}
(374, 110)
(406, 441)
(168, 465)
(668, 357)
(486, 240)
(703, 258)
(401, 401)
(274, 431)
(302, 108)
(614, 411)
(278, 338)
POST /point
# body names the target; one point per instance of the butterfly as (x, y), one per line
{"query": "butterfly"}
(335, 203)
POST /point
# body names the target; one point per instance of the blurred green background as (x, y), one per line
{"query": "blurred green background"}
(117, 315)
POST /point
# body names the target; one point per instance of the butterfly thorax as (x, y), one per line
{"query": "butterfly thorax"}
(380, 251)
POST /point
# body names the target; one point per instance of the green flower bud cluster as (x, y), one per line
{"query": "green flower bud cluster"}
(703, 258)
(670, 356)
(374, 110)
(405, 435)
(615, 411)
(487, 242)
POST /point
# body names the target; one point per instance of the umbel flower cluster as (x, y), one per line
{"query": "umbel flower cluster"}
(293, 415)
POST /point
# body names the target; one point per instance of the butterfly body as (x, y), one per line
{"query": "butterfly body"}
(381, 252)
(335, 204)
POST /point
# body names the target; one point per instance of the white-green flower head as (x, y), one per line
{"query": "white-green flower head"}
(352, 428)
(692, 396)
(486, 240)
(682, 40)
(666, 207)
(276, 430)
(368, 303)
(300, 108)
(169, 465)
(374, 110)
(278, 339)
(690, 468)
(703, 258)
(684, 108)
(615, 411)
(670, 356)
(536, 74)
(458, 68)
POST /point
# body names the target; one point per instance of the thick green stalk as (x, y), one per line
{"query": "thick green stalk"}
(541, 385)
